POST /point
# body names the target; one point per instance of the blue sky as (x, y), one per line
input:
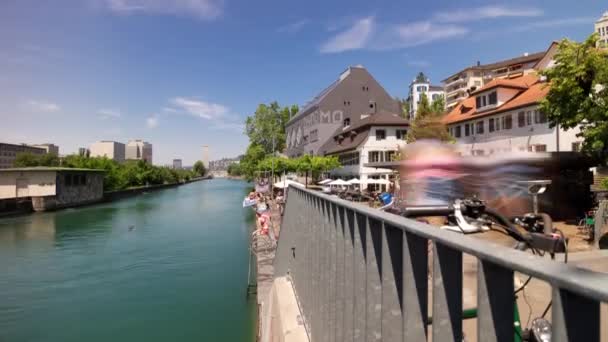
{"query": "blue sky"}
(185, 73)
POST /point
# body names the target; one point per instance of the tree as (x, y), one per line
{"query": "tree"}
(578, 93)
(404, 107)
(421, 78)
(29, 160)
(268, 123)
(438, 105)
(199, 168)
(424, 108)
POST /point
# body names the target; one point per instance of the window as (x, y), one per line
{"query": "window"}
(540, 117)
(314, 135)
(483, 101)
(380, 134)
(521, 119)
(457, 132)
(389, 155)
(467, 130)
(537, 148)
(478, 101)
(346, 122)
(400, 134)
(477, 83)
(528, 118)
(436, 96)
(491, 125)
(479, 127)
(576, 146)
(351, 158)
(492, 98)
(421, 89)
(375, 156)
(507, 122)
(477, 152)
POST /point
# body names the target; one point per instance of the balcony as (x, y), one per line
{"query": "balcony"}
(458, 80)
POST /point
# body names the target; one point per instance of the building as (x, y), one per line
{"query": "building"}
(109, 149)
(223, 164)
(205, 159)
(139, 150)
(9, 152)
(601, 27)
(374, 139)
(83, 152)
(354, 94)
(49, 148)
(503, 116)
(418, 87)
(177, 164)
(458, 86)
(52, 187)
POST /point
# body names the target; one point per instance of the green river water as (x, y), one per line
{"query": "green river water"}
(170, 265)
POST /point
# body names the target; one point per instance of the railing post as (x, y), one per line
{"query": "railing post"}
(447, 293)
(340, 276)
(349, 276)
(360, 275)
(575, 318)
(392, 284)
(495, 302)
(374, 280)
(415, 287)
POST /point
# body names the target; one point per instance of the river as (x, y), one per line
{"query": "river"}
(170, 265)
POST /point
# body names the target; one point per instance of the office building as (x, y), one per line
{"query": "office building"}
(601, 27)
(9, 152)
(49, 148)
(109, 149)
(205, 159)
(177, 164)
(139, 150)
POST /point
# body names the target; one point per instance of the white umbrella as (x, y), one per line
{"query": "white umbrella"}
(285, 183)
(325, 181)
(339, 182)
(354, 181)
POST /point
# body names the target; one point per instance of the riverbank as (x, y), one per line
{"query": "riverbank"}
(17, 207)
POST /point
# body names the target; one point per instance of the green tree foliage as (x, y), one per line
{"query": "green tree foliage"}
(235, 170)
(29, 160)
(578, 93)
(117, 176)
(438, 105)
(421, 78)
(268, 122)
(427, 124)
(249, 162)
(404, 106)
(424, 107)
(199, 168)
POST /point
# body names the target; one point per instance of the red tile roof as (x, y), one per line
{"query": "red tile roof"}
(531, 91)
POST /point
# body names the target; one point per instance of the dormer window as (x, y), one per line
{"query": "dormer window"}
(488, 99)
(346, 122)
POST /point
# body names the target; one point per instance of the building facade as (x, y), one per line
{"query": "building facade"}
(49, 148)
(601, 27)
(377, 138)
(139, 150)
(458, 86)
(9, 152)
(418, 88)
(503, 116)
(177, 164)
(354, 95)
(109, 149)
(52, 187)
(205, 159)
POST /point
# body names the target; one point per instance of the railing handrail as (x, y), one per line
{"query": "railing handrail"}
(361, 274)
(578, 280)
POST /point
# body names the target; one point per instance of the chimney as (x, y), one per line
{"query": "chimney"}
(478, 63)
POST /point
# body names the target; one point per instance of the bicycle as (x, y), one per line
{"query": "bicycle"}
(586, 226)
(469, 216)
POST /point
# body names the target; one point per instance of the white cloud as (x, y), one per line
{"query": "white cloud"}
(419, 33)
(419, 63)
(354, 38)
(109, 113)
(42, 106)
(485, 12)
(152, 121)
(553, 23)
(294, 27)
(202, 109)
(203, 9)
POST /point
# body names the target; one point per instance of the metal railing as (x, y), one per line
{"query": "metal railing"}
(361, 274)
